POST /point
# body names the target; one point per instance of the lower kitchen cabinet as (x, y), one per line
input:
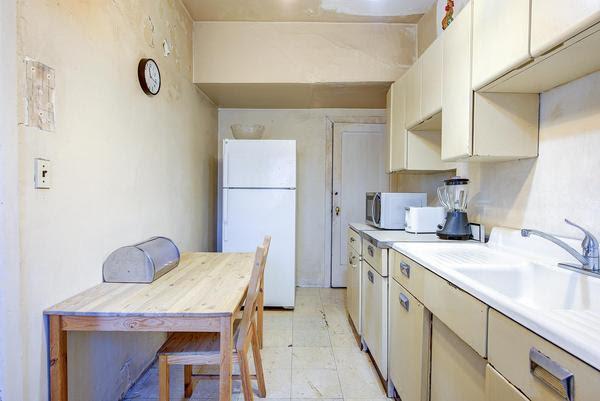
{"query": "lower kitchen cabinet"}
(497, 388)
(409, 343)
(457, 371)
(353, 288)
(534, 365)
(375, 317)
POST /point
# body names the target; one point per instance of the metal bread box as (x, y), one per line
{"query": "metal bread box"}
(141, 263)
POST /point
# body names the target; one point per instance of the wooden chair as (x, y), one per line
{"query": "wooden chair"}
(260, 304)
(203, 348)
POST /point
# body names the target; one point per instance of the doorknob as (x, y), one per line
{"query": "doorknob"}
(337, 210)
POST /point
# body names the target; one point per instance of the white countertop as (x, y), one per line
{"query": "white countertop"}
(386, 238)
(519, 278)
(360, 227)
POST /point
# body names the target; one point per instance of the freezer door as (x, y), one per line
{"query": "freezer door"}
(259, 164)
(249, 215)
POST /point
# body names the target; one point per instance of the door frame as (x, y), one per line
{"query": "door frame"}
(330, 123)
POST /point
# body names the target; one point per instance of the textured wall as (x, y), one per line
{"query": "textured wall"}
(10, 344)
(309, 129)
(125, 167)
(239, 52)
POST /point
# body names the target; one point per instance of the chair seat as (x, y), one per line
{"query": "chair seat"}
(183, 343)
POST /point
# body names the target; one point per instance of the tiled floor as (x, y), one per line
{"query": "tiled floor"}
(308, 353)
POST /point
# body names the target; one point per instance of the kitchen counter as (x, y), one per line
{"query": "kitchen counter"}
(361, 227)
(519, 278)
(386, 238)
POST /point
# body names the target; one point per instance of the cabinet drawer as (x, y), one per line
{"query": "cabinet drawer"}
(512, 348)
(497, 388)
(410, 327)
(353, 288)
(376, 257)
(354, 240)
(375, 316)
(463, 314)
(408, 273)
(457, 371)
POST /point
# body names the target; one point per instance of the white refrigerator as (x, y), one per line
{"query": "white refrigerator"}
(259, 198)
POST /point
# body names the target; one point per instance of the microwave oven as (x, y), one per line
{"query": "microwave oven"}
(386, 210)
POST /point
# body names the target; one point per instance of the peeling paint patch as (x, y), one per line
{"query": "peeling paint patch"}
(381, 8)
(149, 31)
(39, 96)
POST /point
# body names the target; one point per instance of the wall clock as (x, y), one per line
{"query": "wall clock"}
(149, 76)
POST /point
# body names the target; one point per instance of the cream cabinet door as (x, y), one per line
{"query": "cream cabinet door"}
(431, 79)
(353, 288)
(457, 97)
(374, 312)
(497, 388)
(554, 21)
(396, 126)
(457, 371)
(413, 95)
(410, 325)
(500, 38)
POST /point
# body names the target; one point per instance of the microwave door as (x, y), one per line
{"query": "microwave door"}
(377, 210)
(369, 208)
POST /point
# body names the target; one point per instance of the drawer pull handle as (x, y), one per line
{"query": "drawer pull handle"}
(370, 276)
(552, 374)
(405, 269)
(404, 301)
(352, 239)
(371, 251)
(351, 260)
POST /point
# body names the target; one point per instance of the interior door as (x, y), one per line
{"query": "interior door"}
(358, 167)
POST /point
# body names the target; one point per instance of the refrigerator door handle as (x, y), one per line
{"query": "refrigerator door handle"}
(225, 215)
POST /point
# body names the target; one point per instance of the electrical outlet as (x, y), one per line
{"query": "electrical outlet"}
(42, 174)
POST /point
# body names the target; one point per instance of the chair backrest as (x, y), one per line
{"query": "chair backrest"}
(255, 286)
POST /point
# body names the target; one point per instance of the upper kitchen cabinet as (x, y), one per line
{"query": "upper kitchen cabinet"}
(396, 133)
(431, 79)
(408, 150)
(412, 81)
(555, 21)
(500, 38)
(530, 46)
(481, 126)
(424, 90)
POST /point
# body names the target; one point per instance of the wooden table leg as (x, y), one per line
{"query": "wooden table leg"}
(226, 349)
(59, 390)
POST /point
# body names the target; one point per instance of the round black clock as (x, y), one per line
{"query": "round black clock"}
(149, 76)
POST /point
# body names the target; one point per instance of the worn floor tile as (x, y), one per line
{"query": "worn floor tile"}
(311, 338)
(312, 358)
(315, 383)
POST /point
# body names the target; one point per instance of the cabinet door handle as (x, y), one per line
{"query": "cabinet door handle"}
(552, 374)
(370, 276)
(371, 250)
(405, 269)
(352, 239)
(404, 301)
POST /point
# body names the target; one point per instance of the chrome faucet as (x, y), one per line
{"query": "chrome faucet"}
(589, 258)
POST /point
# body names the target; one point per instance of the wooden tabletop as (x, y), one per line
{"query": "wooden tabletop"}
(203, 284)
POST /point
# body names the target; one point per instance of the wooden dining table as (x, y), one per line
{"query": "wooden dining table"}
(202, 294)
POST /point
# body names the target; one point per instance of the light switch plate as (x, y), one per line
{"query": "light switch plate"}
(42, 174)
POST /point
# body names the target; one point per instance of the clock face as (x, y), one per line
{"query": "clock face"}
(149, 76)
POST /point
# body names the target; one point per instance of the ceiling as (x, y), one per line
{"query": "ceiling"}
(408, 11)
